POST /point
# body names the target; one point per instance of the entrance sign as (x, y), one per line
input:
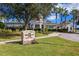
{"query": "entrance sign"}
(28, 36)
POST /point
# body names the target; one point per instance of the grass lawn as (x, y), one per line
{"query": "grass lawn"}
(9, 35)
(53, 46)
(14, 35)
(37, 34)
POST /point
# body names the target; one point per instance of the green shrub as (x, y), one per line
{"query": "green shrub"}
(2, 25)
(51, 29)
(0, 30)
(7, 30)
(45, 30)
(38, 30)
(62, 30)
(17, 30)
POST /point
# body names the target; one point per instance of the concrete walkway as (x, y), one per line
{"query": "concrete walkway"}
(67, 36)
(19, 40)
(70, 36)
(49, 35)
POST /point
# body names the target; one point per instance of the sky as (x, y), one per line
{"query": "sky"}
(68, 6)
(52, 17)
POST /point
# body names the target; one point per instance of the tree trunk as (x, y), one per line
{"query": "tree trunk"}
(56, 20)
(26, 23)
(43, 27)
(61, 18)
(61, 21)
(25, 26)
(27, 18)
(73, 25)
(65, 18)
(76, 24)
(65, 22)
(76, 27)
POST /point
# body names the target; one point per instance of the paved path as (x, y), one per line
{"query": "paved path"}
(67, 36)
(18, 40)
(70, 36)
(49, 35)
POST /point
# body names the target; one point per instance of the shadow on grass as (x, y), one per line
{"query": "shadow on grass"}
(4, 35)
(14, 42)
(11, 34)
(49, 43)
(20, 42)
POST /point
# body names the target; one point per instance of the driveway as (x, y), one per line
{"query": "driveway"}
(70, 36)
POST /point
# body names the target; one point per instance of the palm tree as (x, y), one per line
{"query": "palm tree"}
(61, 12)
(74, 13)
(56, 11)
(65, 15)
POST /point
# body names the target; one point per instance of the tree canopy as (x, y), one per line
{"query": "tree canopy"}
(31, 10)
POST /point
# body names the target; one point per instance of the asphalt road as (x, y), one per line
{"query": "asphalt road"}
(70, 36)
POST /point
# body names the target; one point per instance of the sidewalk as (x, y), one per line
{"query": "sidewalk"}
(68, 36)
(19, 40)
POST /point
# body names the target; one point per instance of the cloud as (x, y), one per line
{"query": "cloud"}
(69, 6)
(52, 17)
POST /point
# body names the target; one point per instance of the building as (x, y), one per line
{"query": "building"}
(74, 26)
(36, 24)
(71, 26)
(13, 24)
(50, 25)
(77, 23)
(62, 25)
(41, 23)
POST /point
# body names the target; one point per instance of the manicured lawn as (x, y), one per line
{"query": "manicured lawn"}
(15, 35)
(53, 46)
(9, 35)
(39, 34)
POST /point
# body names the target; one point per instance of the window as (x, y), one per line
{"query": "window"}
(37, 26)
(71, 28)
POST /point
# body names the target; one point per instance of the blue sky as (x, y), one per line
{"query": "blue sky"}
(68, 6)
(52, 17)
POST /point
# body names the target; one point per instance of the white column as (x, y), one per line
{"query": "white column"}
(40, 26)
(33, 26)
(69, 28)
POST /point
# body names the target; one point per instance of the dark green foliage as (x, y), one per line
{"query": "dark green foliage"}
(74, 13)
(2, 25)
(52, 29)
(31, 10)
(62, 30)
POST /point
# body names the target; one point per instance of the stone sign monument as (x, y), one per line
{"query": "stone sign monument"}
(28, 36)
